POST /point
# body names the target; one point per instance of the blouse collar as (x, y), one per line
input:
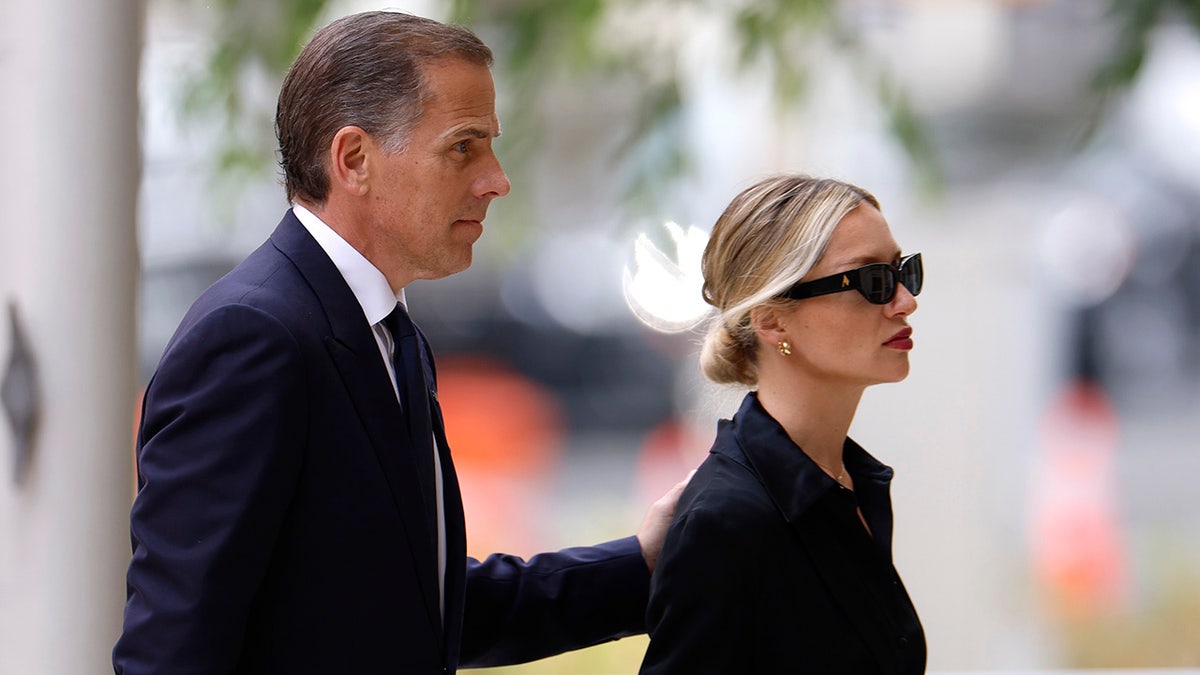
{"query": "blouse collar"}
(792, 478)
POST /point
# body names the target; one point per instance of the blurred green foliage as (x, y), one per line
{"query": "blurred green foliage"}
(541, 44)
(1134, 20)
(255, 42)
(541, 38)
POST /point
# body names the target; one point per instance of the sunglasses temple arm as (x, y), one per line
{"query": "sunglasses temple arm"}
(825, 285)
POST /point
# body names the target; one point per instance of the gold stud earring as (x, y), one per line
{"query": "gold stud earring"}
(785, 348)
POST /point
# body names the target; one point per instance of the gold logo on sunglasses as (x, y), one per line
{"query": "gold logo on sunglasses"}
(845, 281)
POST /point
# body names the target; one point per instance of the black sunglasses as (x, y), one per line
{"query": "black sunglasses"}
(877, 282)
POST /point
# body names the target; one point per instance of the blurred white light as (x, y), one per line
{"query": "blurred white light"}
(1165, 103)
(1088, 249)
(574, 281)
(664, 292)
(946, 55)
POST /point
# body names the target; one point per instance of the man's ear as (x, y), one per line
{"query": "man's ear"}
(768, 325)
(348, 154)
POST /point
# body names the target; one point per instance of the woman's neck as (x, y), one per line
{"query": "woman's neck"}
(815, 416)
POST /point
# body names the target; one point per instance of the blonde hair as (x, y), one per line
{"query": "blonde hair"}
(768, 238)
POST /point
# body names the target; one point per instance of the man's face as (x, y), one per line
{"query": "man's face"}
(428, 201)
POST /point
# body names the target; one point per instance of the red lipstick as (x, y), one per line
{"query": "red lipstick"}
(902, 340)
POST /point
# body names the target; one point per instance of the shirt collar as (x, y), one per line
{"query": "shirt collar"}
(792, 478)
(369, 285)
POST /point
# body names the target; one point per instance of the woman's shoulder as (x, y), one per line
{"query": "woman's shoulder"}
(726, 495)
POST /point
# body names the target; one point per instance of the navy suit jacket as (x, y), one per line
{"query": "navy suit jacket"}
(279, 525)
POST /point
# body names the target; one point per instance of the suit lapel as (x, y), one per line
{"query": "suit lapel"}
(355, 354)
(456, 538)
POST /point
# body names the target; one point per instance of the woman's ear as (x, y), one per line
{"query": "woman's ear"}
(768, 324)
(349, 153)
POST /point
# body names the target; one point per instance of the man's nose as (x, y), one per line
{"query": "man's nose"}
(493, 183)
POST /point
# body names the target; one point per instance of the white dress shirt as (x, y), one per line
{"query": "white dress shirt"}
(374, 294)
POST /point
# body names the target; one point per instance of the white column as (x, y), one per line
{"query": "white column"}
(68, 259)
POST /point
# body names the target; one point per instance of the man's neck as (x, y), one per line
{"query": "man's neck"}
(341, 218)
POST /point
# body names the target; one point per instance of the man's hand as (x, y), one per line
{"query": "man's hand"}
(654, 528)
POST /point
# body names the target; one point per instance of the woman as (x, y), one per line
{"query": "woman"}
(779, 557)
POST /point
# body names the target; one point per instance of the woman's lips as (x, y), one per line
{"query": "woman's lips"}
(901, 340)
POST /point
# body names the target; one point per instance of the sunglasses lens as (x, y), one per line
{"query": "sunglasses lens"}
(877, 283)
(913, 275)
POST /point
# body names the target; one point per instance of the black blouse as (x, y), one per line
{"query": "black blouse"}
(768, 569)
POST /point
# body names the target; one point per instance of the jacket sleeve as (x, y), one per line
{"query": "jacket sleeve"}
(518, 611)
(219, 452)
(697, 614)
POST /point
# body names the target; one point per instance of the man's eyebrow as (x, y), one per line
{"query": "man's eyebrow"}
(475, 132)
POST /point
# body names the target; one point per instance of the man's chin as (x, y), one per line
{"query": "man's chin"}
(460, 268)
(449, 267)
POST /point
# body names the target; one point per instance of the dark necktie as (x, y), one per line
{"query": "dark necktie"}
(407, 360)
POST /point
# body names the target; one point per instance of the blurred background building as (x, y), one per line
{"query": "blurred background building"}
(1042, 154)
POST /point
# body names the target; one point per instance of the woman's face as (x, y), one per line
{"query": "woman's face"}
(841, 337)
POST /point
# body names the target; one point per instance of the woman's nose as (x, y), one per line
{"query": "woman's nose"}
(903, 303)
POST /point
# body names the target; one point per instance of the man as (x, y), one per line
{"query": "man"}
(298, 511)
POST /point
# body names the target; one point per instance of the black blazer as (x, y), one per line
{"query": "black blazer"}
(767, 568)
(279, 525)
